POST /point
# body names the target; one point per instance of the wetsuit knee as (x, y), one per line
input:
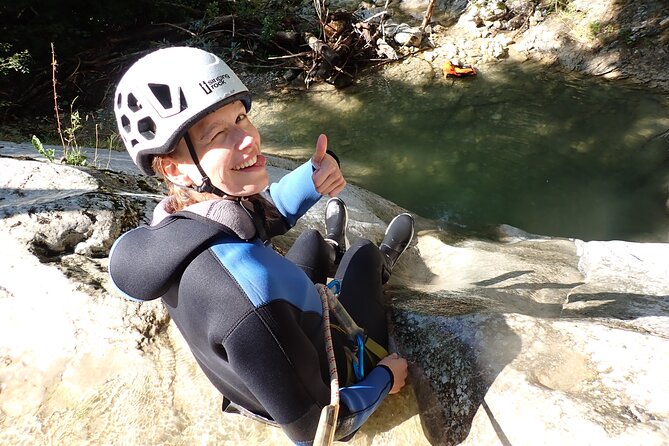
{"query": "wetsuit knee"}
(312, 254)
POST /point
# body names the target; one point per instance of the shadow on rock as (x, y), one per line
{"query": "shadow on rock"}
(624, 306)
(456, 351)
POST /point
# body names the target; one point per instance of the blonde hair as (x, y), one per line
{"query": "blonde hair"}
(179, 197)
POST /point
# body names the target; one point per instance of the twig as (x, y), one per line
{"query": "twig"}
(240, 62)
(428, 15)
(321, 12)
(383, 28)
(180, 28)
(375, 16)
(525, 22)
(55, 95)
(290, 56)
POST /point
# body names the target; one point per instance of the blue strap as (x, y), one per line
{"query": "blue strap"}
(358, 365)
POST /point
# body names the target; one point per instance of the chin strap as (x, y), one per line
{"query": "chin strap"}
(252, 208)
(206, 186)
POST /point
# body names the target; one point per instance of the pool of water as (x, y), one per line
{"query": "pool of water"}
(550, 153)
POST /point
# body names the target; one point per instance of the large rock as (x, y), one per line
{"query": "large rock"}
(539, 342)
(80, 365)
(513, 338)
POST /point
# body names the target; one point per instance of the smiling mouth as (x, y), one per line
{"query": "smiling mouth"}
(248, 163)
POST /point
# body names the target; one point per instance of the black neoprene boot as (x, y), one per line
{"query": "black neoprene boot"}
(398, 236)
(336, 219)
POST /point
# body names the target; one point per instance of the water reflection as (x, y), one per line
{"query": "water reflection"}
(548, 153)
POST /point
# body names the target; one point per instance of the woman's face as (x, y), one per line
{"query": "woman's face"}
(228, 147)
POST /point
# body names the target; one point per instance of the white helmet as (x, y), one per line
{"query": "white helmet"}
(167, 91)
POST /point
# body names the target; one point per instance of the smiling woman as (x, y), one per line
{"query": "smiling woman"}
(252, 318)
(226, 147)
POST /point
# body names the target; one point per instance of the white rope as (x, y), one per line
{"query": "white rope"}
(326, 294)
(328, 421)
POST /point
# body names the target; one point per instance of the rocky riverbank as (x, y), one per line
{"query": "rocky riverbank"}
(606, 38)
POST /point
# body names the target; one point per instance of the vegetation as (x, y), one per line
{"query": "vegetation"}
(94, 43)
(49, 154)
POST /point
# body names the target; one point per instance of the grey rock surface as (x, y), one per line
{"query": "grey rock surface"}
(513, 338)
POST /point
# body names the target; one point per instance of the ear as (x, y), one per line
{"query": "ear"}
(175, 173)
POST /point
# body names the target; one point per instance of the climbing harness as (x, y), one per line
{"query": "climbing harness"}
(330, 303)
(348, 326)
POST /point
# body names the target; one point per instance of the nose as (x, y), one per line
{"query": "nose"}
(243, 139)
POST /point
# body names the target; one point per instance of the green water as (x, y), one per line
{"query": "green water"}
(550, 153)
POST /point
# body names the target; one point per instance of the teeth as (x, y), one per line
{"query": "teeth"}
(249, 162)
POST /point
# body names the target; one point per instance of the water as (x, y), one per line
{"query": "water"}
(550, 153)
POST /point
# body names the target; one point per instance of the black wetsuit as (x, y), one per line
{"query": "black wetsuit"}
(252, 318)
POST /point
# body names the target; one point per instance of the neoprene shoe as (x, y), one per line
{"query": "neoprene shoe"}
(336, 219)
(398, 236)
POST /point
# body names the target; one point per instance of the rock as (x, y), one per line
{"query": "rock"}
(538, 15)
(56, 209)
(385, 50)
(511, 338)
(516, 22)
(429, 55)
(408, 36)
(583, 338)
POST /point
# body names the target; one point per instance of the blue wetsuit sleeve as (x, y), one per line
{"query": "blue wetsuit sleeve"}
(362, 399)
(295, 193)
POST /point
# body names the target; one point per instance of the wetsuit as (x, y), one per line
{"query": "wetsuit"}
(252, 318)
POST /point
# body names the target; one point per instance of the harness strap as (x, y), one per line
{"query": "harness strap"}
(375, 348)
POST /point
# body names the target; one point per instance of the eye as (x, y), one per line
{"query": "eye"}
(218, 134)
(240, 118)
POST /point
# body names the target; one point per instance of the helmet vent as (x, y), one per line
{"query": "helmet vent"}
(162, 93)
(133, 103)
(125, 122)
(146, 128)
(134, 142)
(182, 98)
(119, 100)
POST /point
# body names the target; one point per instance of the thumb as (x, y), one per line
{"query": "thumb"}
(321, 147)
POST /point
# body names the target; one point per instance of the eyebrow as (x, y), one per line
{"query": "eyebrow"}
(208, 131)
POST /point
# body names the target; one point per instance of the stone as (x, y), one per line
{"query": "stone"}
(385, 50)
(408, 36)
(511, 337)
(579, 346)
(56, 209)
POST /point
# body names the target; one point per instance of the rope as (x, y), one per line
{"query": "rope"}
(328, 421)
(326, 294)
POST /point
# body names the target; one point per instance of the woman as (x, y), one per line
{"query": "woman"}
(252, 318)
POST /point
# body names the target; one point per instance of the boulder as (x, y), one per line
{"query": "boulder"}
(538, 340)
(513, 338)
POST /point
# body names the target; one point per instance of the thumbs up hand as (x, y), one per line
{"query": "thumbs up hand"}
(327, 177)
